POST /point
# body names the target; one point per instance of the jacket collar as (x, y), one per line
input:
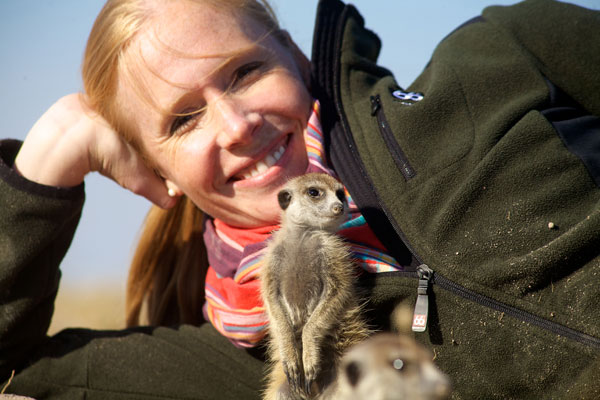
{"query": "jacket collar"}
(342, 46)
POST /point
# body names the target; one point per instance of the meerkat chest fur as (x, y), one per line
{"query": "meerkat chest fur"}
(307, 260)
(311, 264)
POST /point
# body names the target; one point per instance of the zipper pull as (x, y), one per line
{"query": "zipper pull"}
(419, 323)
(375, 104)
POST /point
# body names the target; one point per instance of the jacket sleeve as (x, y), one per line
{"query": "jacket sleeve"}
(37, 224)
(564, 41)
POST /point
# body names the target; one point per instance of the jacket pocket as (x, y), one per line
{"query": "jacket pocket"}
(398, 155)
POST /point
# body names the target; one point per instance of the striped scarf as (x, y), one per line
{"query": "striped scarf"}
(233, 304)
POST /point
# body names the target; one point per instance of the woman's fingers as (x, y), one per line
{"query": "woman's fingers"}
(70, 140)
(114, 158)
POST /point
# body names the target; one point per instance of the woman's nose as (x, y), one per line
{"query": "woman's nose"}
(237, 125)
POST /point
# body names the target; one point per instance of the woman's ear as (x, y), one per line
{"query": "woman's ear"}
(172, 189)
(302, 61)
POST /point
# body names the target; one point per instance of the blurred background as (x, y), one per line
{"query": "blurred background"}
(41, 47)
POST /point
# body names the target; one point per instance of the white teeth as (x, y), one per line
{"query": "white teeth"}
(261, 167)
(271, 160)
(249, 174)
(265, 163)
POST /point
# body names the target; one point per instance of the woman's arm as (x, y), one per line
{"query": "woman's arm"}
(563, 40)
(41, 198)
(37, 224)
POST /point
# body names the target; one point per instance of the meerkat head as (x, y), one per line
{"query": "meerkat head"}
(391, 367)
(314, 201)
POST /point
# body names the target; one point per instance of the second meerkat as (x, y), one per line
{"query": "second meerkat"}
(308, 289)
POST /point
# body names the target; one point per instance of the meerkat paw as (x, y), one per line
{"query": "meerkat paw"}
(285, 392)
(294, 374)
(311, 371)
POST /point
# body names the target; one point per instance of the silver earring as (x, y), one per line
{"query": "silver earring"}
(171, 193)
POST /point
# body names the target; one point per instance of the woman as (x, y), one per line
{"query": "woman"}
(213, 103)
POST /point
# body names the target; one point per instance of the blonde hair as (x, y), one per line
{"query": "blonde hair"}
(167, 272)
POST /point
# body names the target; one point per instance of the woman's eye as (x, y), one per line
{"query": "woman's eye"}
(181, 122)
(245, 72)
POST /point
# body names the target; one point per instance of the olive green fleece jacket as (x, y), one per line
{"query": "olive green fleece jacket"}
(487, 168)
(465, 169)
(185, 362)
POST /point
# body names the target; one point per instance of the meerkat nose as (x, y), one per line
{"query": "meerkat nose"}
(337, 208)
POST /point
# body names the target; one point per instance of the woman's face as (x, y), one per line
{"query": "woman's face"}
(231, 158)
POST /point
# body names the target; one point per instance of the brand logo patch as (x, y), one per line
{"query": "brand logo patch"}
(419, 322)
(407, 98)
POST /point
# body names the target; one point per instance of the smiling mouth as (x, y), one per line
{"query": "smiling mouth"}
(263, 165)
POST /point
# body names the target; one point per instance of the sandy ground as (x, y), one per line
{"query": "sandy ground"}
(89, 305)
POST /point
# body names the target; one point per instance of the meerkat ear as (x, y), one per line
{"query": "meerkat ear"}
(340, 195)
(284, 198)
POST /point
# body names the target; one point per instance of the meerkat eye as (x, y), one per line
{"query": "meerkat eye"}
(313, 192)
(353, 373)
(398, 364)
(340, 195)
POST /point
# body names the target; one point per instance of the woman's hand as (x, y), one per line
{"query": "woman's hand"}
(70, 140)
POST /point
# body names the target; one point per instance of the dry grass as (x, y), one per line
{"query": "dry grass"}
(89, 305)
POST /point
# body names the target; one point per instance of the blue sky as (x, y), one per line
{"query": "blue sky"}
(41, 46)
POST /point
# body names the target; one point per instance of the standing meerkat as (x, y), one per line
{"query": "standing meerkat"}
(308, 289)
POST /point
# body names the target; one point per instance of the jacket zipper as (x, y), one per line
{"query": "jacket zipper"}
(384, 128)
(427, 278)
